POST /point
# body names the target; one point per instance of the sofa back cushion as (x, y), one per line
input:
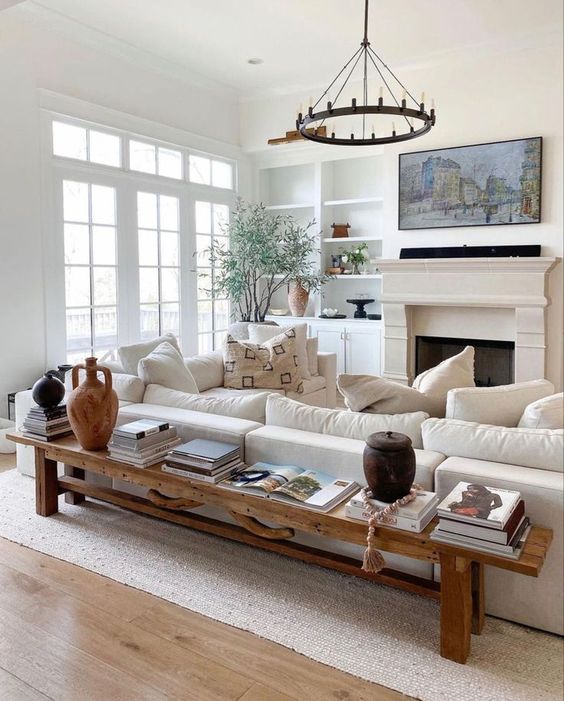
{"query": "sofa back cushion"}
(312, 349)
(130, 356)
(544, 413)
(129, 388)
(538, 448)
(270, 365)
(281, 411)
(206, 369)
(246, 406)
(502, 405)
(259, 333)
(165, 366)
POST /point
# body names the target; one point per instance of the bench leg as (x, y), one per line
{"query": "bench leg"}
(46, 485)
(478, 610)
(74, 497)
(456, 607)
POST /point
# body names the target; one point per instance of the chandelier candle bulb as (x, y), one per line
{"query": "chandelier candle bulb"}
(422, 97)
(381, 93)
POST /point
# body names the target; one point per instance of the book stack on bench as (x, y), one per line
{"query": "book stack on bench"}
(47, 423)
(488, 519)
(142, 443)
(414, 516)
(209, 461)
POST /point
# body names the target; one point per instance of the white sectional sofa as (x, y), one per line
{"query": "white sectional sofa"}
(447, 451)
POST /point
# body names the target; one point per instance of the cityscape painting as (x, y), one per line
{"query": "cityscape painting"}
(485, 184)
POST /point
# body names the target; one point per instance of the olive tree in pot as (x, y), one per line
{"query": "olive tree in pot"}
(266, 252)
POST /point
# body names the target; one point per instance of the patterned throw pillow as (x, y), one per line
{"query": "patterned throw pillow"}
(270, 365)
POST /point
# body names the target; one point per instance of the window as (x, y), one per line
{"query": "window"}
(213, 313)
(89, 223)
(157, 160)
(204, 171)
(84, 144)
(159, 264)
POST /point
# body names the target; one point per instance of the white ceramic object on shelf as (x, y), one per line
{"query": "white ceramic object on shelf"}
(279, 312)
(328, 311)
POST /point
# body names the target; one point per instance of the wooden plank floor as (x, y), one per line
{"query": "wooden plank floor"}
(67, 633)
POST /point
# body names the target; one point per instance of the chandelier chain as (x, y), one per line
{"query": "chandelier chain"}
(394, 98)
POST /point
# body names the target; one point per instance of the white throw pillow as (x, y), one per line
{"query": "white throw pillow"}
(544, 413)
(281, 411)
(530, 447)
(206, 369)
(248, 406)
(131, 355)
(165, 366)
(259, 333)
(502, 405)
(457, 371)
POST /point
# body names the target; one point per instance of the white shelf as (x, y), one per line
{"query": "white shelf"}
(358, 200)
(344, 239)
(273, 207)
(370, 276)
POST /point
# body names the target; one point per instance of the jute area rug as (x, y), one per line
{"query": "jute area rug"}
(374, 632)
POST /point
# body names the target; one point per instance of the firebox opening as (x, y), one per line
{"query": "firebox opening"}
(493, 364)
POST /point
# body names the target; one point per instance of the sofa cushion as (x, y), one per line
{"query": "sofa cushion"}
(377, 395)
(544, 413)
(206, 369)
(537, 448)
(502, 405)
(457, 371)
(223, 392)
(165, 366)
(339, 456)
(240, 406)
(259, 333)
(131, 355)
(129, 388)
(312, 348)
(271, 365)
(281, 411)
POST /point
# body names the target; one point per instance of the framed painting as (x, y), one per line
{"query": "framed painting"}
(479, 185)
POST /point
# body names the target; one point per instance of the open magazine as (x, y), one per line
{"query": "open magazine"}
(301, 487)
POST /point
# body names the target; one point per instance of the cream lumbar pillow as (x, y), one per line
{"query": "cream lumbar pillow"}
(544, 413)
(131, 355)
(454, 372)
(271, 365)
(259, 333)
(165, 366)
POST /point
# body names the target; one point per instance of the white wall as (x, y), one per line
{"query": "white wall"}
(34, 57)
(479, 99)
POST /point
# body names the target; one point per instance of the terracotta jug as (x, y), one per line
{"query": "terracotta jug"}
(298, 297)
(92, 407)
(389, 465)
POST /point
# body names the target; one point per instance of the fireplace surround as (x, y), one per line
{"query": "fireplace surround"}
(489, 299)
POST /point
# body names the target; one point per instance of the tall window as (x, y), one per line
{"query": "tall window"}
(213, 312)
(159, 263)
(89, 221)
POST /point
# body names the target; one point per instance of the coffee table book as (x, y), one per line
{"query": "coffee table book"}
(490, 507)
(493, 535)
(417, 525)
(512, 551)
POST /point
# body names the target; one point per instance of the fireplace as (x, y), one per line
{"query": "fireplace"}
(493, 360)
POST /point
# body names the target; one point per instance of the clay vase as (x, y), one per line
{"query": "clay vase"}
(92, 407)
(298, 297)
(48, 391)
(389, 465)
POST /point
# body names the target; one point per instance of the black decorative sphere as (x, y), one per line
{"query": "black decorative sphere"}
(48, 391)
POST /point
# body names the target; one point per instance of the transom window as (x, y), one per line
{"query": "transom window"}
(89, 223)
(205, 171)
(157, 160)
(85, 144)
(213, 312)
(159, 264)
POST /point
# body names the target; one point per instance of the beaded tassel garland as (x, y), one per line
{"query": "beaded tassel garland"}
(373, 560)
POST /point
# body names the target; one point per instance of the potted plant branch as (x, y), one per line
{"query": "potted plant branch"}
(266, 252)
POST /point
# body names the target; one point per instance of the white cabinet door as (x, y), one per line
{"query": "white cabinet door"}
(331, 340)
(363, 350)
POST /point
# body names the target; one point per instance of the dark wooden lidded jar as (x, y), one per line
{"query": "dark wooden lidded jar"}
(389, 465)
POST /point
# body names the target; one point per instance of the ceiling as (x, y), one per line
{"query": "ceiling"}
(304, 43)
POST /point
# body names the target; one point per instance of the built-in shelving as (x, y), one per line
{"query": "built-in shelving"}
(368, 276)
(305, 205)
(346, 239)
(358, 200)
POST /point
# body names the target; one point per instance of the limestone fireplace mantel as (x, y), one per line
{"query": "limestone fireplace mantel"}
(481, 298)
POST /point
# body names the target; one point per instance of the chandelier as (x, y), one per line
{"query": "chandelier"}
(309, 124)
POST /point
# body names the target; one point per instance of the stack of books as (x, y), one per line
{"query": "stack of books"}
(142, 443)
(209, 461)
(414, 516)
(47, 424)
(488, 519)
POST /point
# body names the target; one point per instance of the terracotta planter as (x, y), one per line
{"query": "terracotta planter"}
(389, 465)
(92, 407)
(298, 297)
